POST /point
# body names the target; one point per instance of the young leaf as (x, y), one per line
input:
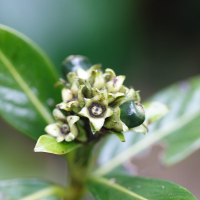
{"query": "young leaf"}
(120, 136)
(125, 187)
(179, 129)
(48, 144)
(27, 93)
(28, 189)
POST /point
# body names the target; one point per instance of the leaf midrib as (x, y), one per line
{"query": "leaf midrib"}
(32, 97)
(46, 192)
(116, 186)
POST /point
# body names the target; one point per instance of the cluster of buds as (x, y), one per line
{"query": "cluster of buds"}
(96, 100)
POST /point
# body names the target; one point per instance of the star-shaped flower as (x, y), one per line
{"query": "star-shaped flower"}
(97, 109)
(65, 127)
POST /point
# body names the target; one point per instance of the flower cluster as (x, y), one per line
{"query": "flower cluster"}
(95, 96)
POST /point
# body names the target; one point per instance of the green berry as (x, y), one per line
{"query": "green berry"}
(72, 63)
(132, 113)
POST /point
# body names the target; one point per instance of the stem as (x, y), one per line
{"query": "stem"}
(78, 161)
(45, 193)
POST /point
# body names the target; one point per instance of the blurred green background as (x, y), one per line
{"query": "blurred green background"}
(154, 43)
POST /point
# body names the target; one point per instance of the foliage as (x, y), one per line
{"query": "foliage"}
(27, 99)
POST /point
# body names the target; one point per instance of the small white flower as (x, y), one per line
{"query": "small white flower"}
(96, 109)
(67, 131)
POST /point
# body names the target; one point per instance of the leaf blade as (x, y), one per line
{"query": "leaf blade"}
(48, 144)
(125, 187)
(26, 189)
(178, 129)
(45, 114)
(26, 84)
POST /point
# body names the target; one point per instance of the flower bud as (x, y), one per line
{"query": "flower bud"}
(115, 84)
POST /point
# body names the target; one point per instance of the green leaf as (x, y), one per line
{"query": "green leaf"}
(29, 189)
(27, 77)
(179, 129)
(120, 136)
(48, 144)
(124, 187)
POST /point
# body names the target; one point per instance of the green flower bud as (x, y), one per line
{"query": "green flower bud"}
(96, 79)
(72, 63)
(132, 113)
(115, 84)
(110, 74)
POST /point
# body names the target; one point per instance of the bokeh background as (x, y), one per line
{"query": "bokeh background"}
(154, 43)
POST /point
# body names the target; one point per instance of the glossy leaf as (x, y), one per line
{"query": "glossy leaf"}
(179, 129)
(27, 77)
(124, 187)
(29, 189)
(48, 144)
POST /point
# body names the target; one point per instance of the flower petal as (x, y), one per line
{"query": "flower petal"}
(69, 137)
(84, 112)
(124, 89)
(66, 94)
(94, 67)
(108, 113)
(82, 73)
(71, 77)
(72, 120)
(110, 74)
(96, 79)
(75, 86)
(58, 114)
(73, 128)
(53, 129)
(62, 105)
(97, 122)
(80, 93)
(112, 97)
(101, 96)
(60, 138)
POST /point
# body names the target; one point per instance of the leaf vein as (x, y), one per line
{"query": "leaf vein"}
(33, 98)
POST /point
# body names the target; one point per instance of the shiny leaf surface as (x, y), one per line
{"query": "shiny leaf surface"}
(29, 189)
(179, 129)
(124, 187)
(48, 144)
(27, 77)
